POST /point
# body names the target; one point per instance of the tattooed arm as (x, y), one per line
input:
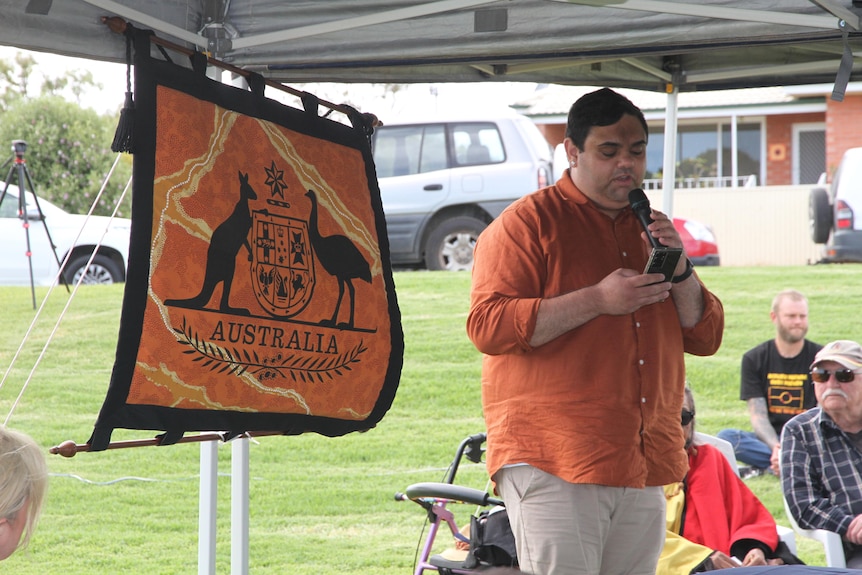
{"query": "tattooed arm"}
(759, 416)
(760, 421)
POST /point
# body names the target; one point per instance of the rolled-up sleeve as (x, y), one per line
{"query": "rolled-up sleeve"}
(506, 289)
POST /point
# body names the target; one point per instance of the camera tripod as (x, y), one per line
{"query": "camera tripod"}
(19, 148)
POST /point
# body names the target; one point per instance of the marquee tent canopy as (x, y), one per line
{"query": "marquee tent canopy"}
(645, 44)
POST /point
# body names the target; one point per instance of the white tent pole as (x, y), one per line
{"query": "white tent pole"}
(239, 506)
(669, 168)
(734, 151)
(719, 155)
(207, 508)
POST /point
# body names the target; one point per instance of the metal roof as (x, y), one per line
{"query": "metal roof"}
(644, 44)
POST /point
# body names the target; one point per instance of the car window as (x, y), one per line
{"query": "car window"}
(433, 156)
(476, 144)
(406, 150)
(9, 206)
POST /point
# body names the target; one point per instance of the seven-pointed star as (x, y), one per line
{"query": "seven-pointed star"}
(275, 180)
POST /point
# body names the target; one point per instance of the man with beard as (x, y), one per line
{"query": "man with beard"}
(776, 385)
(821, 450)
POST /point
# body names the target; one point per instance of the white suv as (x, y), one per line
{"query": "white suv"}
(443, 181)
(833, 213)
(109, 264)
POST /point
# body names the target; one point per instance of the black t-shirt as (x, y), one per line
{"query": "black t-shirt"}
(784, 382)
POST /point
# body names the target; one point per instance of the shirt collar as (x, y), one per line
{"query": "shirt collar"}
(571, 193)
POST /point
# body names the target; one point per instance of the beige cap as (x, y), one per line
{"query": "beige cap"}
(847, 353)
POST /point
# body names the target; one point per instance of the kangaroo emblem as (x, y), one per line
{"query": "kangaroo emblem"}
(227, 240)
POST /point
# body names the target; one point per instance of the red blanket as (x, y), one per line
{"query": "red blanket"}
(715, 492)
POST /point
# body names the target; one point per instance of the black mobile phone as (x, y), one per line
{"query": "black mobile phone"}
(663, 260)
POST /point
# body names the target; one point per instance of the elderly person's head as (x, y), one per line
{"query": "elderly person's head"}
(687, 417)
(23, 481)
(837, 375)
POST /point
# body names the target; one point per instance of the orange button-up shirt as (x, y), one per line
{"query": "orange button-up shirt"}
(599, 404)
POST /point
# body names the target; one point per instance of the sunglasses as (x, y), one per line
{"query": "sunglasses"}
(687, 417)
(821, 375)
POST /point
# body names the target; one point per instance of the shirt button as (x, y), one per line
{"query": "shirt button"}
(637, 324)
(643, 400)
(625, 254)
(640, 362)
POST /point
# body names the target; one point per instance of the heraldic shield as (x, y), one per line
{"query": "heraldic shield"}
(259, 294)
(283, 270)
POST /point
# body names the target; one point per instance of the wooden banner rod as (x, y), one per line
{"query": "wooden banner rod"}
(69, 448)
(119, 25)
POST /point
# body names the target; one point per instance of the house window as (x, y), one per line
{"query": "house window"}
(697, 157)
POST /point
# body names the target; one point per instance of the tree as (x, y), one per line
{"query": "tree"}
(15, 78)
(76, 81)
(68, 153)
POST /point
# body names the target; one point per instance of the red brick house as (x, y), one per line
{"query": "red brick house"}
(782, 135)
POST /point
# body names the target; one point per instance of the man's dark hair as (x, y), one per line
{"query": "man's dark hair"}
(600, 108)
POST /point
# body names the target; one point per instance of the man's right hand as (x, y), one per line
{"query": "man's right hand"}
(620, 292)
(625, 291)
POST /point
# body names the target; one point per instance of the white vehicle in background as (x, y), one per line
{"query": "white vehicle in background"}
(108, 266)
(443, 181)
(833, 212)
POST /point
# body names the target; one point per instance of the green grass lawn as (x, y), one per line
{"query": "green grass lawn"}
(320, 505)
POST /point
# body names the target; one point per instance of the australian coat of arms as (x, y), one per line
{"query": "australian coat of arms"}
(266, 279)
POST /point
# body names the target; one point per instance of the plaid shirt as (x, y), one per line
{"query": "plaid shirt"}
(821, 472)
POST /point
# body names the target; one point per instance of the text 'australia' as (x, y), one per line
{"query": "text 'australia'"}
(275, 337)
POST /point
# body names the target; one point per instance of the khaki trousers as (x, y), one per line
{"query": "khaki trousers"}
(564, 528)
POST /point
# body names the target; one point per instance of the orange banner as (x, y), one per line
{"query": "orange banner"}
(267, 290)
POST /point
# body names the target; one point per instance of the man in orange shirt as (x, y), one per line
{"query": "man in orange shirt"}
(583, 373)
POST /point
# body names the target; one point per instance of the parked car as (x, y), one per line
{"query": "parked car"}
(109, 263)
(832, 211)
(443, 181)
(699, 242)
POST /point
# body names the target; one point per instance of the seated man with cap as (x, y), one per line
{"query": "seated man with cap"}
(821, 450)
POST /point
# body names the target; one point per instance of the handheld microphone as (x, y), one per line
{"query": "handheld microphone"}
(641, 209)
(662, 259)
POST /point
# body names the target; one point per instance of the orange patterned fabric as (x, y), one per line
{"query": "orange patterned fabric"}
(267, 290)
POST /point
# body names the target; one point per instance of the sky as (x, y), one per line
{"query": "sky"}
(112, 77)
(416, 99)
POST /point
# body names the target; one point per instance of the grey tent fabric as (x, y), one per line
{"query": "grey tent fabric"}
(645, 44)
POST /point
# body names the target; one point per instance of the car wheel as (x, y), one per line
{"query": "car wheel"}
(103, 270)
(450, 246)
(819, 215)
